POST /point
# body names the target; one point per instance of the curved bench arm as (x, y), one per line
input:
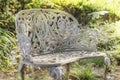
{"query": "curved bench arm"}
(24, 45)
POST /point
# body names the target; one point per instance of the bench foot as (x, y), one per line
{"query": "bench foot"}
(107, 64)
(56, 72)
(22, 69)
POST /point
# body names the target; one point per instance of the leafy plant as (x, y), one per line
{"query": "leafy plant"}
(82, 72)
(7, 43)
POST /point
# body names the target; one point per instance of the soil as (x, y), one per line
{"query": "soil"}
(114, 75)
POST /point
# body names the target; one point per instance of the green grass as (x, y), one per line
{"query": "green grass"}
(82, 72)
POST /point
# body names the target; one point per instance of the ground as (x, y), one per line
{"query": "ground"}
(114, 75)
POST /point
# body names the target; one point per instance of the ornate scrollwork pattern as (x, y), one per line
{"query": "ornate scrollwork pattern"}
(51, 30)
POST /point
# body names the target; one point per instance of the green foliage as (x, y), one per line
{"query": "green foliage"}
(82, 72)
(6, 14)
(81, 8)
(7, 43)
(111, 38)
(8, 9)
(111, 42)
(98, 62)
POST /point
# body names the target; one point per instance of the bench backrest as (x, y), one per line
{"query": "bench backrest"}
(49, 30)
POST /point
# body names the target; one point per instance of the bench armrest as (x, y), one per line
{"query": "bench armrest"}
(24, 45)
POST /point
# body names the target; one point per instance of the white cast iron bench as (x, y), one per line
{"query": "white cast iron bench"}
(53, 38)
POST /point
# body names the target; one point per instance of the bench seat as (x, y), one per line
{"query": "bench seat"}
(61, 58)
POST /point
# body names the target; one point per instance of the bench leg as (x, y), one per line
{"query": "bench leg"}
(56, 72)
(22, 73)
(107, 64)
(67, 71)
(106, 72)
(22, 69)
